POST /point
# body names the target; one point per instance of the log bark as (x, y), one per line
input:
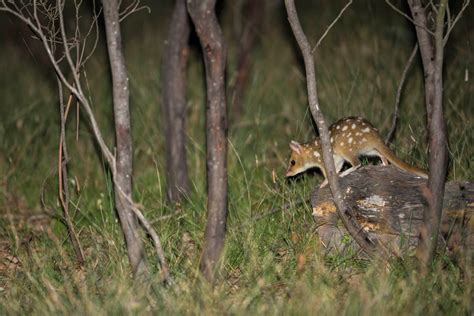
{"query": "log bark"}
(174, 102)
(124, 152)
(202, 13)
(389, 204)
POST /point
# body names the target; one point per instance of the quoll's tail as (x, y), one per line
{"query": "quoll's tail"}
(390, 155)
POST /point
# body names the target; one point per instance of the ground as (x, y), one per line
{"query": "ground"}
(273, 264)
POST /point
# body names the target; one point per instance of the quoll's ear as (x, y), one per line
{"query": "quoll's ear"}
(296, 147)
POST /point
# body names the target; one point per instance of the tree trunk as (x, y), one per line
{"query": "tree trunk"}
(124, 152)
(253, 12)
(214, 51)
(427, 52)
(432, 56)
(174, 102)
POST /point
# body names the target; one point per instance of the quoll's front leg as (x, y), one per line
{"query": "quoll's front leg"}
(338, 163)
(325, 183)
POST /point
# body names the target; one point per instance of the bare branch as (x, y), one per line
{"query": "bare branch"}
(67, 52)
(456, 19)
(63, 186)
(132, 8)
(94, 26)
(406, 16)
(331, 25)
(399, 93)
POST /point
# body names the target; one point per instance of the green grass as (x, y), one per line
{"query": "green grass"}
(274, 265)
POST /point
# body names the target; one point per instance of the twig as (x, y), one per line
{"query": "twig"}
(132, 8)
(456, 19)
(63, 186)
(390, 134)
(331, 25)
(77, 91)
(406, 16)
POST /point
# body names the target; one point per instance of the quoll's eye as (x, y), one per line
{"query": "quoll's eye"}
(293, 162)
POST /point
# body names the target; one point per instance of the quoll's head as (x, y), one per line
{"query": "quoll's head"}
(303, 157)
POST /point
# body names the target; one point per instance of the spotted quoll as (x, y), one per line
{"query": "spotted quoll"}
(350, 137)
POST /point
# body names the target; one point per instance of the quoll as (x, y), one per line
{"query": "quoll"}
(350, 137)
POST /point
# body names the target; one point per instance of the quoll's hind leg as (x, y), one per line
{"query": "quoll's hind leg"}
(355, 164)
(325, 182)
(384, 160)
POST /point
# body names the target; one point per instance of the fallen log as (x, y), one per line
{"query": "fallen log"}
(389, 204)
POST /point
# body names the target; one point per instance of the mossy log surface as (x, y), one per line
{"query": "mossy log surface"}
(389, 204)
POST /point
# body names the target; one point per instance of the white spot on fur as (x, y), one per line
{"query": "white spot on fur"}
(366, 130)
(316, 154)
(364, 140)
(358, 134)
(344, 128)
(342, 144)
(353, 126)
(338, 127)
(350, 140)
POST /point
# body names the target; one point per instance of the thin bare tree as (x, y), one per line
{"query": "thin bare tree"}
(174, 66)
(431, 50)
(396, 107)
(123, 137)
(207, 27)
(252, 17)
(370, 246)
(432, 38)
(39, 16)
